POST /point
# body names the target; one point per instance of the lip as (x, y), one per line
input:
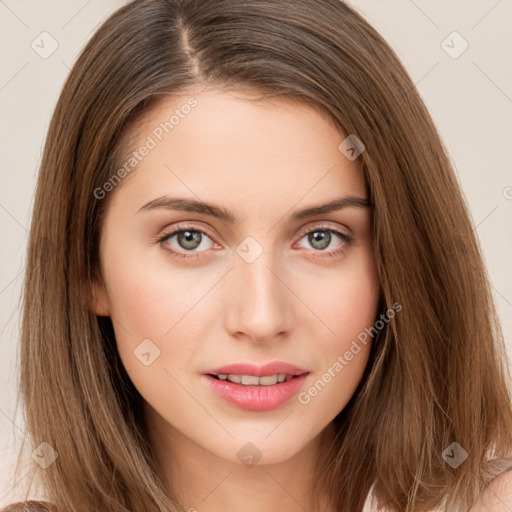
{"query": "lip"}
(257, 398)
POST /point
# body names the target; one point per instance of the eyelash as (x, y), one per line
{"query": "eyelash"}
(347, 241)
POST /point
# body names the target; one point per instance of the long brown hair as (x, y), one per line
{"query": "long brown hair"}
(437, 372)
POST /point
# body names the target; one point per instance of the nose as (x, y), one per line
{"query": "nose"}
(259, 305)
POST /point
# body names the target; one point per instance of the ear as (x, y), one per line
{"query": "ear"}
(99, 303)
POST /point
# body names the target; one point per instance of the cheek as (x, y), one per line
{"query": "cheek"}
(348, 309)
(346, 302)
(145, 303)
(145, 294)
(152, 333)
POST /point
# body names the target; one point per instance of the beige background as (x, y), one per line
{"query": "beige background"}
(470, 98)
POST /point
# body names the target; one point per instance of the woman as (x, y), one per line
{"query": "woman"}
(263, 280)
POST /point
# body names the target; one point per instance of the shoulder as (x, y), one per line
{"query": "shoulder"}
(497, 495)
(30, 506)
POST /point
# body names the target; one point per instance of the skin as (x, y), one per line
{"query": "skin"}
(261, 160)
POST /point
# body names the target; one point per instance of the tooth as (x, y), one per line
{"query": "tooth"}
(268, 380)
(252, 380)
(249, 380)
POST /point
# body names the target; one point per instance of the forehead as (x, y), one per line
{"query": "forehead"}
(237, 146)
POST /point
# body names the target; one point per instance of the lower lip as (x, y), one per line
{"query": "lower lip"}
(256, 398)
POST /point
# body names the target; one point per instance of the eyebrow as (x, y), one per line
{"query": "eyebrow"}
(191, 205)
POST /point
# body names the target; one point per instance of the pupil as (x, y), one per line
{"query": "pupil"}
(189, 239)
(324, 237)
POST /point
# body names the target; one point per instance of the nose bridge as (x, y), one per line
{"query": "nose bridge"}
(260, 303)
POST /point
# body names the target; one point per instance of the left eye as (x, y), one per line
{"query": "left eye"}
(321, 238)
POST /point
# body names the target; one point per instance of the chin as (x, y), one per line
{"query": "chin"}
(261, 447)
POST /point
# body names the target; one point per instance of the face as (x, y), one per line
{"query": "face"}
(253, 279)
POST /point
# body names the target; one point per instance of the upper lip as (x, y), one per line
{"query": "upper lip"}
(257, 371)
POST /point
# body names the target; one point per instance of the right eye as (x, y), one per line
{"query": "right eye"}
(189, 239)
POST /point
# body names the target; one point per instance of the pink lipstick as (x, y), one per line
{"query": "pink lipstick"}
(256, 388)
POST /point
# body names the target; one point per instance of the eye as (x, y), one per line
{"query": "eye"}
(322, 237)
(189, 239)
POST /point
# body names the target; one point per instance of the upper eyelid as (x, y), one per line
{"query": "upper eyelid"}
(184, 227)
(320, 224)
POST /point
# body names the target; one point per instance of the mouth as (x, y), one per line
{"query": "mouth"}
(256, 388)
